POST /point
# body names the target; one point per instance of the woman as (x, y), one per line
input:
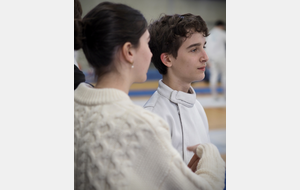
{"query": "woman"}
(119, 145)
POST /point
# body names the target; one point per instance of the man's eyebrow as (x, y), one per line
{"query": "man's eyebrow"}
(196, 44)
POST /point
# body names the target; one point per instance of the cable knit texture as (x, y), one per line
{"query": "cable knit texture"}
(119, 145)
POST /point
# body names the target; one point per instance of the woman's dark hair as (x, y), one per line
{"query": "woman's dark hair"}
(108, 27)
(77, 25)
(169, 32)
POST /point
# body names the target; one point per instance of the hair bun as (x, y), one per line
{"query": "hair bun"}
(78, 34)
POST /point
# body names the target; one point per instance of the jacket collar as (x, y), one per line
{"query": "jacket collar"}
(175, 96)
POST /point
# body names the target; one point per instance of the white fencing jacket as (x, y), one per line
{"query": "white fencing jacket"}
(185, 116)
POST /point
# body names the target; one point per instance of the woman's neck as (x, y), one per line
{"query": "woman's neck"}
(114, 80)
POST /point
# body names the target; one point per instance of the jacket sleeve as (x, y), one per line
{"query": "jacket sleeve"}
(167, 169)
(210, 172)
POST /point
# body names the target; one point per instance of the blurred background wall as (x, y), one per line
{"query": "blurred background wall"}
(209, 10)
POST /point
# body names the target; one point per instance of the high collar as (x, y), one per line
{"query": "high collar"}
(175, 96)
(92, 96)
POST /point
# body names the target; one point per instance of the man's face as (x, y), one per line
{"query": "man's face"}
(189, 66)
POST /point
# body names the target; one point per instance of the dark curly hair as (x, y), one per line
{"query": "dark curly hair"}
(169, 32)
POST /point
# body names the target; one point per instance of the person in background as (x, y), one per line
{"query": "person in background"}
(177, 43)
(118, 144)
(216, 50)
(79, 77)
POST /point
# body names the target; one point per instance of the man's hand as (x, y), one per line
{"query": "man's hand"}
(195, 159)
(194, 162)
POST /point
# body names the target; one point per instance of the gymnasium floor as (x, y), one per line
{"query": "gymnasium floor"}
(215, 109)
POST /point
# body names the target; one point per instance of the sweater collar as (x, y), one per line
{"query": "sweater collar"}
(91, 96)
(175, 96)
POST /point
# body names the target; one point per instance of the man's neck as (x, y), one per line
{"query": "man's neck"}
(176, 84)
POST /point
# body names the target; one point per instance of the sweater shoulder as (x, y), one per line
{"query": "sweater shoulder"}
(153, 120)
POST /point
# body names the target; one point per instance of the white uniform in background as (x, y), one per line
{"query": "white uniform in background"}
(215, 49)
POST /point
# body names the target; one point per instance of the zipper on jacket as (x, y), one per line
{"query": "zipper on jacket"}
(181, 132)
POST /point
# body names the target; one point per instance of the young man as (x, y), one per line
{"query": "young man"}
(177, 43)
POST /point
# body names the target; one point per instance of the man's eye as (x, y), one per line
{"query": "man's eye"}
(204, 47)
(193, 50)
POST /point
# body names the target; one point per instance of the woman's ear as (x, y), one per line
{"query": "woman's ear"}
(165, 59)
(127, 52)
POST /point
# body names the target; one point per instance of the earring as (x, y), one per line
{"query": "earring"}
(132, 65)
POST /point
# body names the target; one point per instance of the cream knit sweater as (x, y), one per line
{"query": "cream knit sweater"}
(119, 145)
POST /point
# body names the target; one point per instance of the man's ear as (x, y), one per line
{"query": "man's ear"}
(165, 59)
(127, 52)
